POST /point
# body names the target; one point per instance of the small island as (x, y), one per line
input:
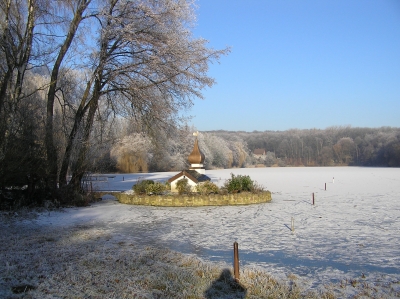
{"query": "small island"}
(192, 188)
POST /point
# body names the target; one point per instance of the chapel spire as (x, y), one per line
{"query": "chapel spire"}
(196, 157)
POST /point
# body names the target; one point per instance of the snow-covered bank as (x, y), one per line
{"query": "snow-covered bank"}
(352, 233)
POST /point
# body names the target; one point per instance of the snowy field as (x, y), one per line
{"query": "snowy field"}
(352, 233)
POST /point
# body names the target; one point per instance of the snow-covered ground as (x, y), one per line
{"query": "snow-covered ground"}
(351, 233)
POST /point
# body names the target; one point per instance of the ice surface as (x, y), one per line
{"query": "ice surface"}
(352, 231)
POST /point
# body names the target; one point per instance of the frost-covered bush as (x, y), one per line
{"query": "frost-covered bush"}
(140, 186)
(207, 188)
(183, 186)
(167, 186)
(238, 183)
(156, 188)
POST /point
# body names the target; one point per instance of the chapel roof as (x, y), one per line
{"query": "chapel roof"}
(193, 175)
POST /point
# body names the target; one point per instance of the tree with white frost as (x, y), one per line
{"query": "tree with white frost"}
(135, 59)
(133, 153)
(148, 65)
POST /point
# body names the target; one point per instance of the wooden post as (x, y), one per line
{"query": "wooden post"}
(313, 199)
(91, 187)
(292, 225)
(123, 179)
(236, 260)
(325, 186)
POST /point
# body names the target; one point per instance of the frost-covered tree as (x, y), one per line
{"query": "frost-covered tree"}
(148, 65)
(171, 149)
(217, 151)
(105, 59)
(133, 153)
(270, 159)
(239, 151)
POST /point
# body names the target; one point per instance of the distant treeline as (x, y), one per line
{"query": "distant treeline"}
(332, 146)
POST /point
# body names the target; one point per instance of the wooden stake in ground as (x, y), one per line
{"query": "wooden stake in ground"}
(292, 225)
(236, 260)
(313, 200)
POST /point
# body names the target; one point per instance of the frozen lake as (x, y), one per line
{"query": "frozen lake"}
(352, 231)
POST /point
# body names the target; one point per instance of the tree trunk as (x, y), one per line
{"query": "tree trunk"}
(50, 147)
(3, 88)
(77, 122)
(79, 168)
(26, 46)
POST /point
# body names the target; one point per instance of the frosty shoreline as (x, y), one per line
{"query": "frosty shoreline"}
(351, 233)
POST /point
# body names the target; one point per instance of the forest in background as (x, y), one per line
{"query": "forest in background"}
(333, 146)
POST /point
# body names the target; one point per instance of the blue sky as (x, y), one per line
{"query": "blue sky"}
(300, 64)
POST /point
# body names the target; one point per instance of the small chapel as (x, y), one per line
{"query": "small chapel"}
(196, 173)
